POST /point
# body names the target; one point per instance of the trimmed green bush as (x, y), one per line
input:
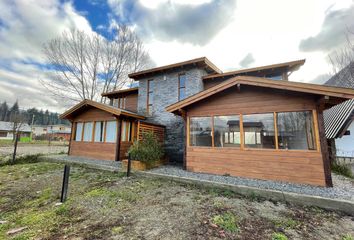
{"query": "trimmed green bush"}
(147, 150)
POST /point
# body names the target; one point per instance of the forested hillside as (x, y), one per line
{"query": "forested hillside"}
(40, 117)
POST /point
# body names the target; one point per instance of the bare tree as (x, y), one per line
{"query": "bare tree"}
(86, 64)
(342, 59)
(18, 120)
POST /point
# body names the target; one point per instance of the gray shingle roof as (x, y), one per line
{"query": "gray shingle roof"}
(339, 116)
(8, 126)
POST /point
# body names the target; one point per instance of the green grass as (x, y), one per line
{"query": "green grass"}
(286, 223)
(348, 237)
(227, 221)
(279, 236)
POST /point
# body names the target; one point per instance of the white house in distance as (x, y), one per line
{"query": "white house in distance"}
(59, 131)
(6, 130)
(338, 120)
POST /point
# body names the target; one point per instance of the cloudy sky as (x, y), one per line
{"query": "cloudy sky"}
(233, 34)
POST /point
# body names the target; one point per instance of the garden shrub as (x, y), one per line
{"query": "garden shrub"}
(147, 150)
(342, 169)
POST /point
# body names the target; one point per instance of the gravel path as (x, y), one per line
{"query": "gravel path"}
(343, 187)
(30, 149)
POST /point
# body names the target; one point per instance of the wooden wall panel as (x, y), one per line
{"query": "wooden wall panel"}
(251, 100)
(159, 131)
(131, 102)
(93, 114)
(290, 166)
(124, 147)
(282, 165)
(102, 151)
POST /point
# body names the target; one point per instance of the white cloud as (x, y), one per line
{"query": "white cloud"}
(24, 26)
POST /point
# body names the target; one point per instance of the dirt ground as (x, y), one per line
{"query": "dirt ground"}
(104, 205)
(30, 149)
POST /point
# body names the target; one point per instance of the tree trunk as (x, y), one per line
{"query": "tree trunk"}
(15, 148)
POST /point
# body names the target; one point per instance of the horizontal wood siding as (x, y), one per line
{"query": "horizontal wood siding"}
(97, 150)
(131, 102)
(283, 165)
(159, 131)
(102, 151)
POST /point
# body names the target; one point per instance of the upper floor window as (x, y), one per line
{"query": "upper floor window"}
(119, 102)
(150, 96)
(181, 86)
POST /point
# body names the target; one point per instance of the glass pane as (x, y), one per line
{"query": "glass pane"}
(259, 130)
(200, 131)
(78, 133)
(124, 130)
(182, 93)
(99, 131)
(88, 131)
(115, 102)
(111, 128)
(295, 130)
(227, 131)
(182, 81)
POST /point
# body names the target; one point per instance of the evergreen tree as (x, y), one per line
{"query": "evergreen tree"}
(4, 111)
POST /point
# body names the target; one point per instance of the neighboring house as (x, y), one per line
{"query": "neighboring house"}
(249, 123)
(7, 130)
(339, 122)
(55, 132)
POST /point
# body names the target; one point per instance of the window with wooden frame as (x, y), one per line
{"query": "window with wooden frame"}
(181, 86)
(126, 131)
(88, 131)
(296, 130)
(111, 131)
(119, 102)
(78, 132)
(277, 130)
(150, 96)
(99, 131)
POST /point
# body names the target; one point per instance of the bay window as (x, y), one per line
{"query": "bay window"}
(296, 130)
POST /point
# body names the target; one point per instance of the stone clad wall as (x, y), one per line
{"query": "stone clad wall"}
(165, 94)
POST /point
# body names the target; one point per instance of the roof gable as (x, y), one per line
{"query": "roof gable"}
(104, 107)
(315, 89)
(201, 62)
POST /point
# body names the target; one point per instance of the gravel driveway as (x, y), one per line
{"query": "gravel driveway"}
(29, 149)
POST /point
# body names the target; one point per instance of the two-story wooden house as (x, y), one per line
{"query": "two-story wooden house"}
(251, 122)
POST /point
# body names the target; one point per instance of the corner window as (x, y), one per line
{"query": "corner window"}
(150, 96)
(111, 131)
(99, 131)
(259, 130)
(88, 131)
(78, 133)
(295, 130)
(227, 131)
(200, 131)
(181, 87)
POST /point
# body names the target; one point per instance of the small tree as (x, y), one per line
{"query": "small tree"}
(147, 150)
(17, 120)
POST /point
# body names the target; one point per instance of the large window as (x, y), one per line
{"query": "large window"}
(78, 133)
(200, 131)
(88, 131)
(111, 131)
(99, 131)
(259, 130)
(295, 130)
(181, 86)
(227, 131)
(150, 96)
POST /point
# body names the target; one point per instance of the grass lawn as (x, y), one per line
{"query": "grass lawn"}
(104, 205)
